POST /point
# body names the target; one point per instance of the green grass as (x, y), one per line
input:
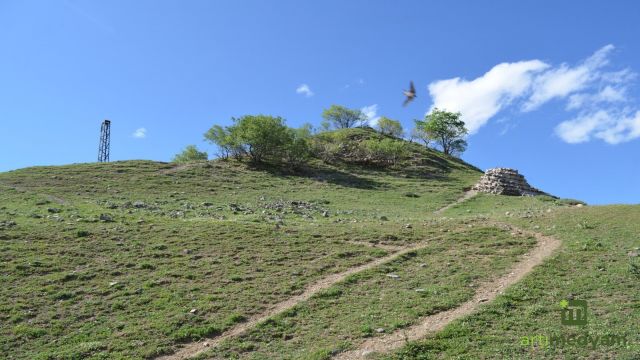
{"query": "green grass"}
(593, 265)
(108, 260)
(438, 277)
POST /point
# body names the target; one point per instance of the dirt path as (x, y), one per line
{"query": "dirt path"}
(467, 195)
(192, 349)
(486, 292)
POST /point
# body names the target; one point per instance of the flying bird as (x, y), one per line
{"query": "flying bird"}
(410, 94)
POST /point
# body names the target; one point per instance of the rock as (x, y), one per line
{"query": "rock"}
(113, 283)
(579, 205)
(193, 311)
(384, 218)
(106, 218)
(423, 265)
(379, 330)
(393, 276)
(53, 210)
(420, 290)
(408, 226)
(483, 300)
(187, 251)
(504, 181)
(507, 213)
(325, 214)
(139, 204)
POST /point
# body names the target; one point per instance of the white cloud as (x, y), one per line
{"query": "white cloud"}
(564, 80)
(608, 94)
(602, 124)
(480, 99)
(305, 90)
(140, 133)
(599, 97)
(371, 112)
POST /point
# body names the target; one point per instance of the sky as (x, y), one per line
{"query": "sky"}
(547, 87)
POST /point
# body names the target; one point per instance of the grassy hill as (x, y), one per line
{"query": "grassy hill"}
(136, 259)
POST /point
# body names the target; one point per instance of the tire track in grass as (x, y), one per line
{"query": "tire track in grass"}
(195, 348)
(487, 292)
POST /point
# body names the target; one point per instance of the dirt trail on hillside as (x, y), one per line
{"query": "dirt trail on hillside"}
(485, 293)
(467, 195)
(192, 349)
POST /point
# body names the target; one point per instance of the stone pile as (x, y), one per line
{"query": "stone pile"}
(504, 181)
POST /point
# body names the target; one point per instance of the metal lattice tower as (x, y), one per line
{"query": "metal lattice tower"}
(105, 141)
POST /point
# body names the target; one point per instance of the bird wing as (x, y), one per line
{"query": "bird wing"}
(407, 100)
(412, 89)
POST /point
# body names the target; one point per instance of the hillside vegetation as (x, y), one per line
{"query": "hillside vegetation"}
(137, 259)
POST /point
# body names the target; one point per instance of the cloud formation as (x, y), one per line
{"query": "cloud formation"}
(305, 90)
(140, 133)
(371, 112)
(588, 89)
(480, 99)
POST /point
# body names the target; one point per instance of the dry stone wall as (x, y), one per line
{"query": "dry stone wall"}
(504, 181)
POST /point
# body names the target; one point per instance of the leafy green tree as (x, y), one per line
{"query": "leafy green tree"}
(389, 127)
(189, 154)
(222, 137)
(419, 134)
(446, 129)
(341, 117)
(298, 148)
(260, 136)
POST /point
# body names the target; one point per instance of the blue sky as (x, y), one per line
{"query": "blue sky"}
(547, 87)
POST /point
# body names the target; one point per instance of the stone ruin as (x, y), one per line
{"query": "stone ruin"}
(504, 181)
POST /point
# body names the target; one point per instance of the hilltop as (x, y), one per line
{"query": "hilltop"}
(228, 259)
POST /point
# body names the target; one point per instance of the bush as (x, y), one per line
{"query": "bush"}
(389, 127)
(189, 154)
(386, 151)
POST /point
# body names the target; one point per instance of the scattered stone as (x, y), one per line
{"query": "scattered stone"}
(579, 205)
(507, 213)
(325, 214)
(7, 224)
(379, 330)
(205, 344)
(483, 300)
(384, 218)
(408, 226)
(187, 251)
(393, 276)
(53, 210)
(139, 204)
(193, 311)
(106, 218)
(504, 181)
(423, 265)
(420, 290)
(113, 283)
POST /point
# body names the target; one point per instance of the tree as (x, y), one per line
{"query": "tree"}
(222, 138)
(260, 136)
(189, 154)
(419, 134)
(446, 129)
(341, 117)
(390, 127)
(298, 147)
